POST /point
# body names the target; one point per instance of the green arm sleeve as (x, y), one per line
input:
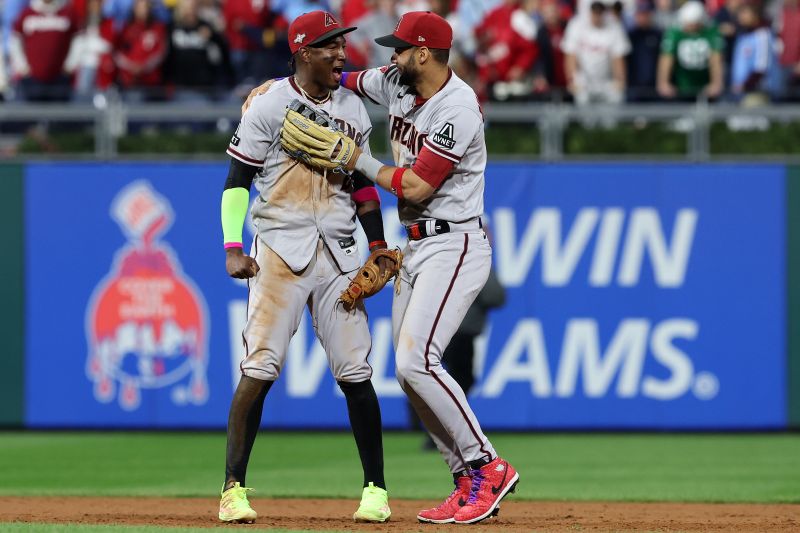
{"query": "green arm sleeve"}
(234, 211)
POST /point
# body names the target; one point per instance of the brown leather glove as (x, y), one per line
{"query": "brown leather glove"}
(371, 278)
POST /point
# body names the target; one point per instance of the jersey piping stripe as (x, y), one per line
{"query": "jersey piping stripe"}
(438, 151)
(243, 158)
(428, 346)
(360, 87)
(247, 313)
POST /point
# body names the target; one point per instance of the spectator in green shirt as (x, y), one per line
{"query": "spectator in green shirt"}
(691, 57)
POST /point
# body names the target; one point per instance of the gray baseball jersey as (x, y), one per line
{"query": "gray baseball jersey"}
(296, 204)
(442, 274)
(304, 244)
(450, 124)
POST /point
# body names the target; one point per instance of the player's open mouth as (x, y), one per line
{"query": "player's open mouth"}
(337, 74)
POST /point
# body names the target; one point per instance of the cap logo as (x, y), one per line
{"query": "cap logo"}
(329, 20)
(299, 38)
(397, 28)
(421, 39)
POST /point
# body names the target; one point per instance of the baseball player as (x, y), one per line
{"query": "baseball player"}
(303, 249)
(436, 129)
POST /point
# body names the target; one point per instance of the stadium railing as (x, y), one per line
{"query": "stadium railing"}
(108, 120)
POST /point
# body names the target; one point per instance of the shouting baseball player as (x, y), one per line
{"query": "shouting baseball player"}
(436, 129)
(304, 246)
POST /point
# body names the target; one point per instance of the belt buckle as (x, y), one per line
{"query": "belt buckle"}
(414, 232)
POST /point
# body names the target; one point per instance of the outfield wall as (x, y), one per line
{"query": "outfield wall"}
(640, 296)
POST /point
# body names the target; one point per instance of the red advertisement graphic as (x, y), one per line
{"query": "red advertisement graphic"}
(146, 322)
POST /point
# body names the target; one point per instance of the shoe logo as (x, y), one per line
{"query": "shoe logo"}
(499, 486)
(400, 94)
(500, 468)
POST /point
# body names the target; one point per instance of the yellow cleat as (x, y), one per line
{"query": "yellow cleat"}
(374, 505)
(234, 507)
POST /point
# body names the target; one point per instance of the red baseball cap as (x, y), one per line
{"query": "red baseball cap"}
(419, 28)
(313, 28)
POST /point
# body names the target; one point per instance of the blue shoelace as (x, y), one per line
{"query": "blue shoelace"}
(477, 479)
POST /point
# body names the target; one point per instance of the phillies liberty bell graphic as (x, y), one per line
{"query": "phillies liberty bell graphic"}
(146, 321)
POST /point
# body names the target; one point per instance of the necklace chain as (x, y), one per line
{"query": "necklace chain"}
(315, 100)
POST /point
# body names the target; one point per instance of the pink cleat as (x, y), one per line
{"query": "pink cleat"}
(490, 484)
(444, 513)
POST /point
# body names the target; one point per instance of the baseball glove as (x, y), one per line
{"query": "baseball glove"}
(311, 136)
(368, 280)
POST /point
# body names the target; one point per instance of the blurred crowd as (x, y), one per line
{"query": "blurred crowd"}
(586, 51)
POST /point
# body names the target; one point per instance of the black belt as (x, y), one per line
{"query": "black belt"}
(428, 228)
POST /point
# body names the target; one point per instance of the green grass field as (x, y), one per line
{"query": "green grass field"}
(650, 467)
(763, 468)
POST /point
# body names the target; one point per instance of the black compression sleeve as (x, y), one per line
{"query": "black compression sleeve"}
(360, 181)
(240, 175)
(372, 223)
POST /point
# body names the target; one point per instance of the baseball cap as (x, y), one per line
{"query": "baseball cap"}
(313, 28)
(691, 13)
(419, 28)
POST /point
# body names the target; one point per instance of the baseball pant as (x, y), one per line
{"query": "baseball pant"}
(275, 306)
(441, 277)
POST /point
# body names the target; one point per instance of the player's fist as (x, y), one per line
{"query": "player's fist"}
(239, 265)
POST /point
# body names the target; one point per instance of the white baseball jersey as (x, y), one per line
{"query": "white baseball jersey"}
(449, 124)
(594, 48)
(296, 204)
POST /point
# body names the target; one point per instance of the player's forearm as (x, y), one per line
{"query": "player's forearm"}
(401, 182)
(371, 219)
(235, 200)
(233, 211)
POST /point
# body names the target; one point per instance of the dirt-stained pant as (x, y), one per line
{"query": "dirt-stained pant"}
(275, 306)
(441, 277)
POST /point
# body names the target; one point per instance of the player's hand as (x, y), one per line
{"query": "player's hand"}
(261, 89)
(239, 265)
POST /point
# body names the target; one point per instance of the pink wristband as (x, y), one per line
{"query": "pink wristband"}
(233, 245)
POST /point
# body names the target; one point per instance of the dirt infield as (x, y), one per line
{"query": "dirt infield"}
(334, 515)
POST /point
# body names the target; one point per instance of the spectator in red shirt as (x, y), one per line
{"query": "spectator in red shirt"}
(507, 47)
(140, 52)
(554, 16)
(38, 47)
(351, 11)
(257, 40)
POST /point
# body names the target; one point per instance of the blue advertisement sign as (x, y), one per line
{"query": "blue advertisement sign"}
(639, 296)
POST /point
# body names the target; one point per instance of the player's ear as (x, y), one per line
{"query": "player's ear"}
(423, 54)
(304, 54)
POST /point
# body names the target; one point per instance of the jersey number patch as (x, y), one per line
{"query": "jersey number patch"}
(444, 136)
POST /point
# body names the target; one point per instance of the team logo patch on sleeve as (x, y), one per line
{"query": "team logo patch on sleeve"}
(444, 136)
